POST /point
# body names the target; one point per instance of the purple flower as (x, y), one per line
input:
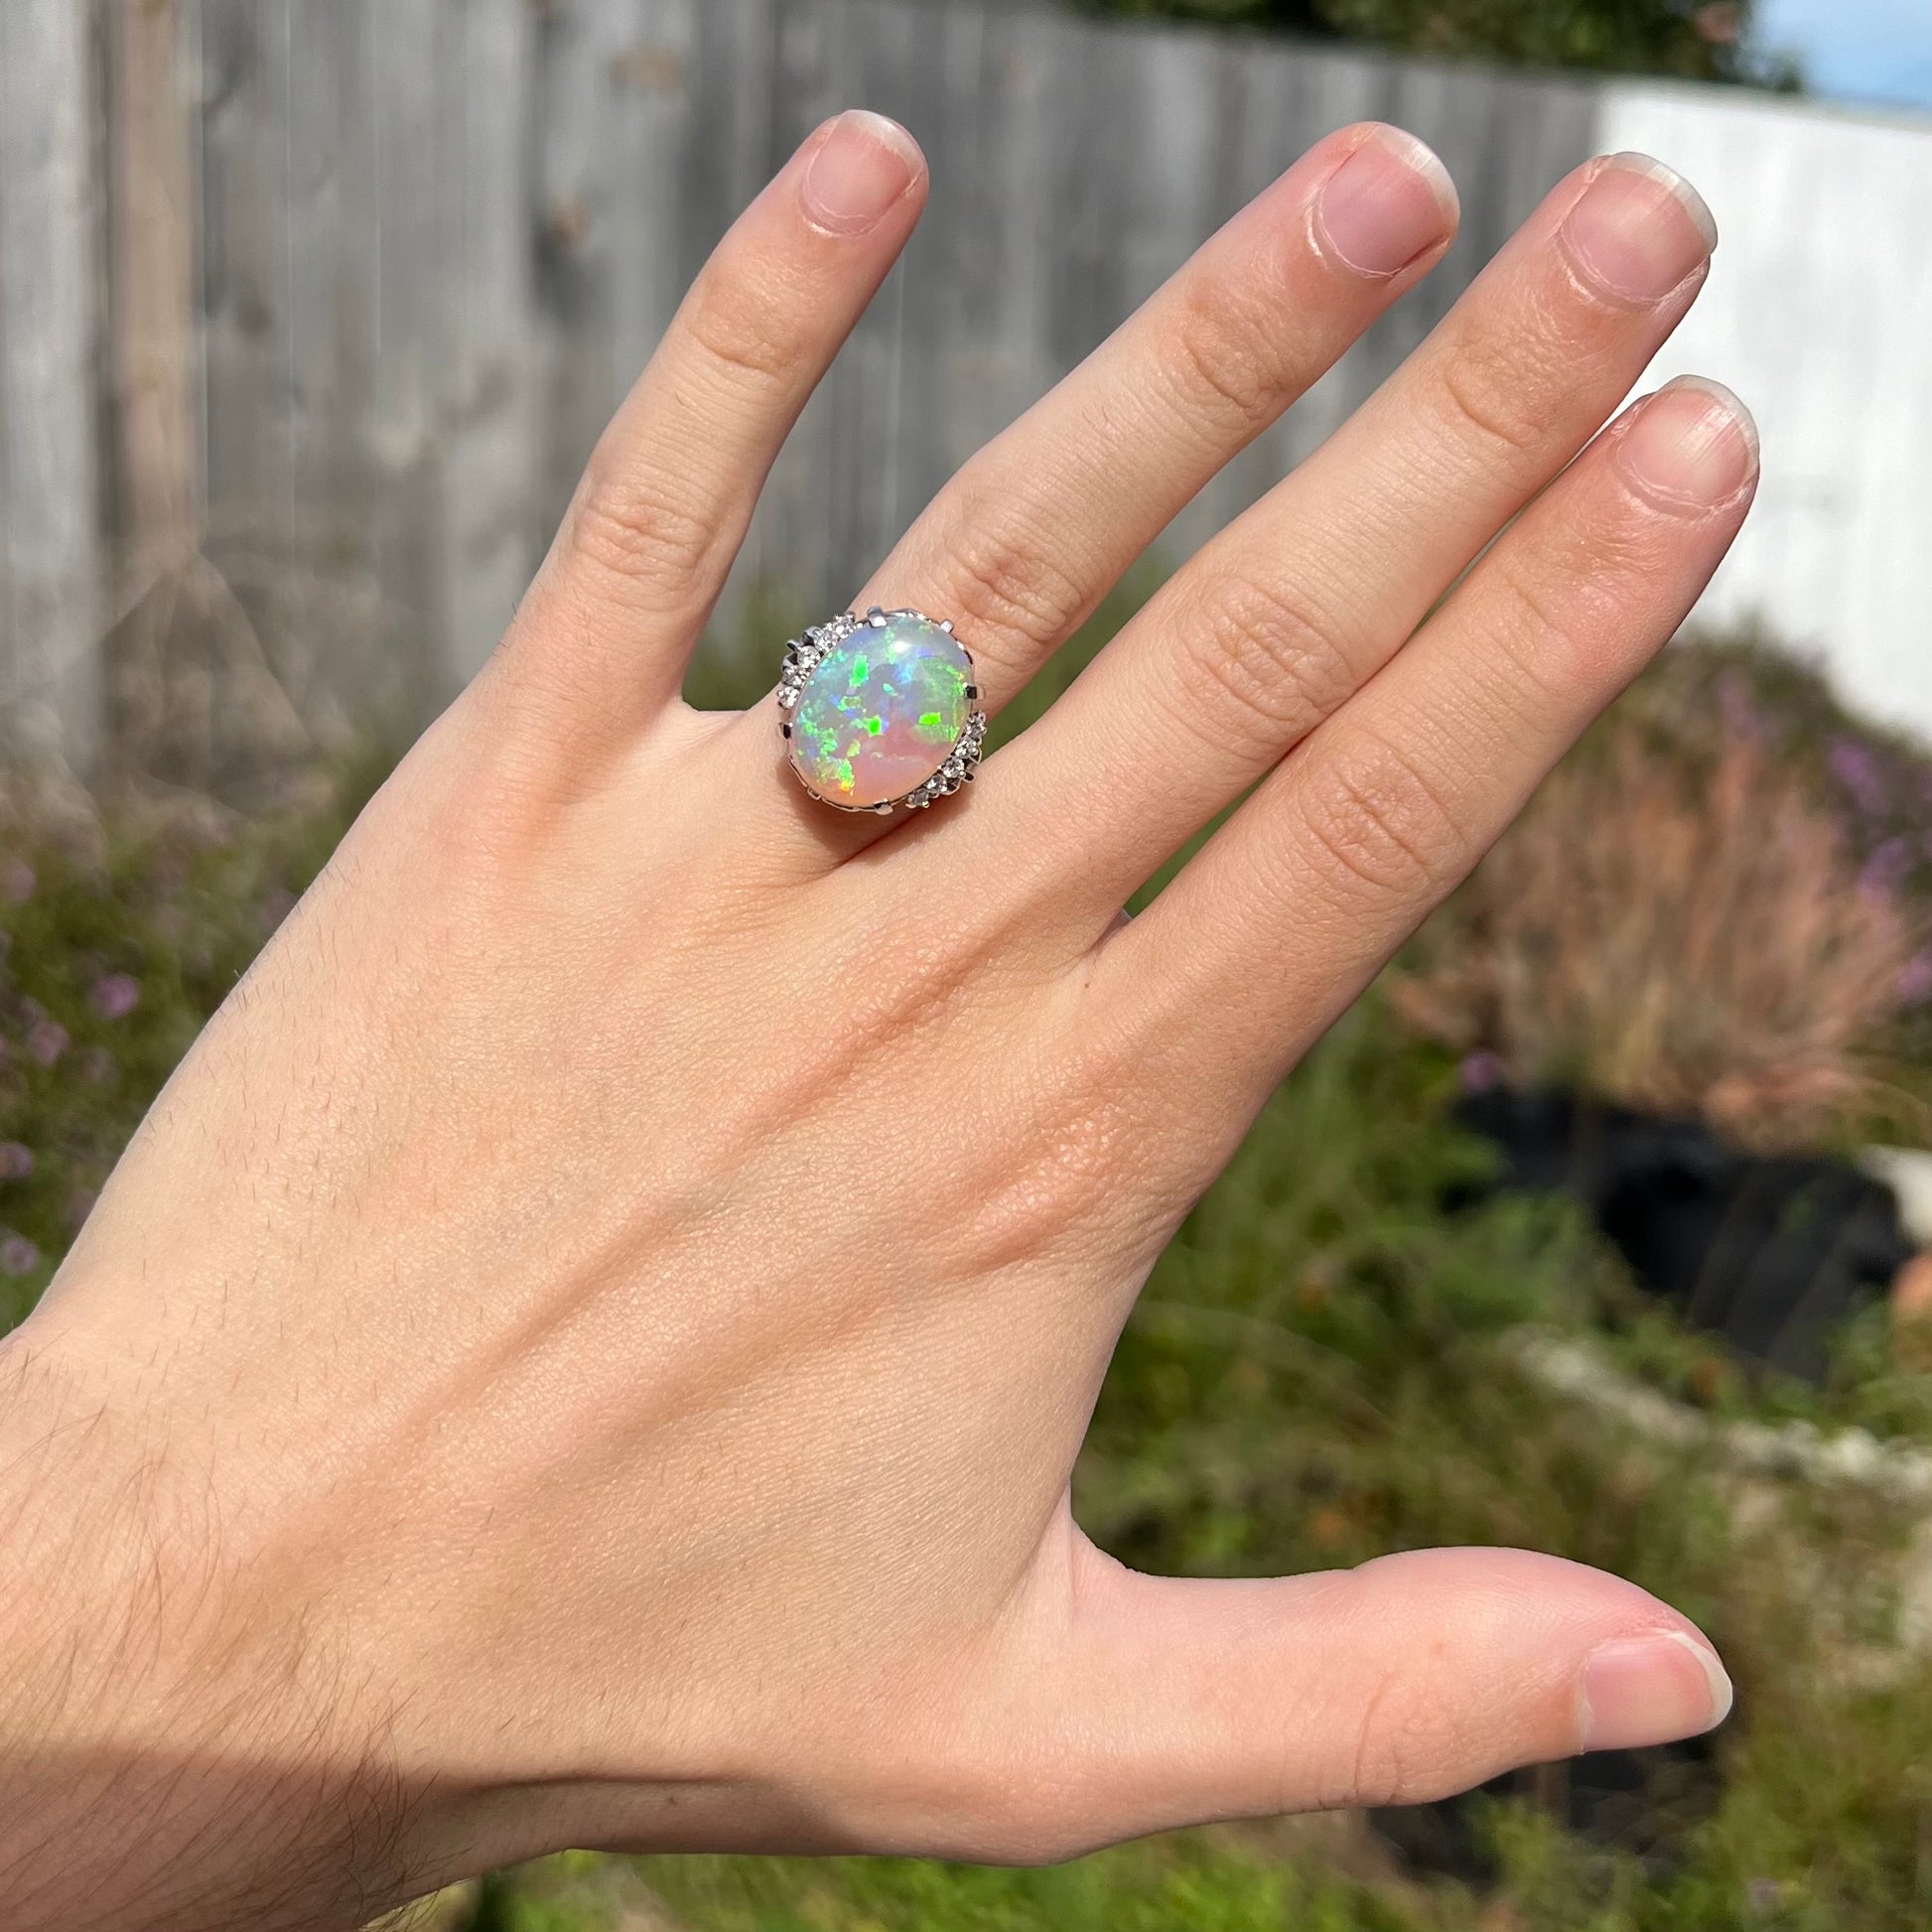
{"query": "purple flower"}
(17, 1254)
(116, 995)
(1915, 979)
(1742, 717)
(1764, 1895)
(47, 1041)
(1856, 767)
(1483, 1072)
(17, 878)
(16, 1161)
(1888, 868)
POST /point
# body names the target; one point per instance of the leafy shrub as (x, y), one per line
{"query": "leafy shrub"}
(1698, 42)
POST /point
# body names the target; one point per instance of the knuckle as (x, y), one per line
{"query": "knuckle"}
(743, 331)
(1279, 653)
(1004, 589)
(1405, 1741)
(1061, 1134)
(1377, 826)
(1549, 636)
(1221, 360)
(1052, 1198)
(1492, 394)
(635, 529)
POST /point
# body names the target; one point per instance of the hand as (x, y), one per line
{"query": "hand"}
(590, 1347)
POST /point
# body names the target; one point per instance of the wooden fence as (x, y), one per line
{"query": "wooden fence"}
(310, 310)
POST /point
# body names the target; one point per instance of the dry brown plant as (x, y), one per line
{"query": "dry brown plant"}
(1680, 929)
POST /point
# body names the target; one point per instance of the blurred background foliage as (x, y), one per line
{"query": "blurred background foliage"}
(1686, 40)
(1717, 907)
(1358, 1343)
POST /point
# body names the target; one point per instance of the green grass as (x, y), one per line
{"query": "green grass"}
(1324, 1368)
(1208, 1887)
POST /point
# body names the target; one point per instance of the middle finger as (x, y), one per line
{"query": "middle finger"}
(1023, 544)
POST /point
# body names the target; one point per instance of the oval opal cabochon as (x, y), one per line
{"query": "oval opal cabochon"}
(880, 712)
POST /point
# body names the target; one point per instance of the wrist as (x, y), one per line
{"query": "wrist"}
(177, 1747)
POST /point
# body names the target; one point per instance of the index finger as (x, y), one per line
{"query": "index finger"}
(666, 501)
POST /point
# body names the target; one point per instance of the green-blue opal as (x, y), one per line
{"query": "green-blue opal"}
(880, 712)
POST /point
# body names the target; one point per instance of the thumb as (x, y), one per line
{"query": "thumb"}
(1411, 1678)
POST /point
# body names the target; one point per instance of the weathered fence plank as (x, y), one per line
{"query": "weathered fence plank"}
(153, 241)
(252, 424)
(490, 450)
(408, 55)
(50, 564)
(585, 58)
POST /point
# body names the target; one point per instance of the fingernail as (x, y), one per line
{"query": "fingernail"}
(1651, 1690)
(1388, 202)
(1693, 442)
(1638, 229)
(863, 165)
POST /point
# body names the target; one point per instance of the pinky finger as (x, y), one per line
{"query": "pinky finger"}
(1263, 941)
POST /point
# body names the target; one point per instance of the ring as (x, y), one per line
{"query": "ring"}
(879, 710)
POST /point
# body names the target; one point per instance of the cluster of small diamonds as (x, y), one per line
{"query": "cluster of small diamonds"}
(802, 655)
(957, 768)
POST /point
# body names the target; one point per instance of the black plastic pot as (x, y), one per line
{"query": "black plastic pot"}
(1771, 1252)
(1640, 1802)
